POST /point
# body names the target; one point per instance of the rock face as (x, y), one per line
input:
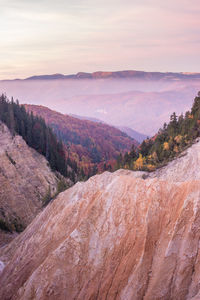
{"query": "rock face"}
(117, 236)
(183, 169)
(25, 179)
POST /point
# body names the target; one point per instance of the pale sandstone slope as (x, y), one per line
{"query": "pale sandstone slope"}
(24, 179)
(183, 168)
(117, 236)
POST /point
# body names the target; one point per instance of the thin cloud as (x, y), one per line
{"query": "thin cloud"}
(106, 35)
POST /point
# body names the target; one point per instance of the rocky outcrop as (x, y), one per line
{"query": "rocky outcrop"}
(25, 179)
(185, 168)
(117, 236)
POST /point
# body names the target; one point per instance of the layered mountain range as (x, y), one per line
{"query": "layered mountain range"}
(123, 235)
(138, 75)
(118, 98)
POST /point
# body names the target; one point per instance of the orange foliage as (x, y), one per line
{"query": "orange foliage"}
(166, 146)
(138, 164)
(86, 140)
(151, 167)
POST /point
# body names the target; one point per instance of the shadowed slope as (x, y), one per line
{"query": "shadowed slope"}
(25, 179)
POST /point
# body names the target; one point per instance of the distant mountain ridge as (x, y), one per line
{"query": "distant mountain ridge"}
(87, 118)
(120, 102)
(139, 75)
(139, 137)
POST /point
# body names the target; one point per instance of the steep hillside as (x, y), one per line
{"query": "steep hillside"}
(88, 142)
(25, 182)
(139, 137)
(35, 132)
(117, 236)
(168, 143)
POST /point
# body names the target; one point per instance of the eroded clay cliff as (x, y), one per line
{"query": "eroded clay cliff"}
(117, 236)
(25, 179)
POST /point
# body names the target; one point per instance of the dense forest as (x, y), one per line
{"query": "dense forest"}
(94, 146)
(37, 135)
(79, 158)
(170, 141)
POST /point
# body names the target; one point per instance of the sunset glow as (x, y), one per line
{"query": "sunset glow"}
(40, 37)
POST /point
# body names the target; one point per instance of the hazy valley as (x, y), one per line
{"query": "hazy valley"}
(130, 234)
(155, 95)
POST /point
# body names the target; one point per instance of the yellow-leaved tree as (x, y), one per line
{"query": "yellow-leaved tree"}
(139, 163)
(166, 146)
(178, 139)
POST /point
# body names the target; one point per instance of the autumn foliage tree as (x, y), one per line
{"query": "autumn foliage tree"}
(171, 140)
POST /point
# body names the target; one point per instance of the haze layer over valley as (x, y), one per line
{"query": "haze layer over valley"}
(142, 101)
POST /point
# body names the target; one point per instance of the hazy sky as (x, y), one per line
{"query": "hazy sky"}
(68, 36)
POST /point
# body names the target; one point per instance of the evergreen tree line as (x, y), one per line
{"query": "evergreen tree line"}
(37, 135)
(171, 140)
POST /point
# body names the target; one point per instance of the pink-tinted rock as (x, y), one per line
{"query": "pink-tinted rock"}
(117, 236)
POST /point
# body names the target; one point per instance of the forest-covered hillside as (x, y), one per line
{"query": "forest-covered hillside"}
(37, 135)
(94, 146)
(169, 142)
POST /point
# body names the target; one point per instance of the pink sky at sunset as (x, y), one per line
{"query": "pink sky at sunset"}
(45, 37)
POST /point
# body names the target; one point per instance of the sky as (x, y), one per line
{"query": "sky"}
(69, 36)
